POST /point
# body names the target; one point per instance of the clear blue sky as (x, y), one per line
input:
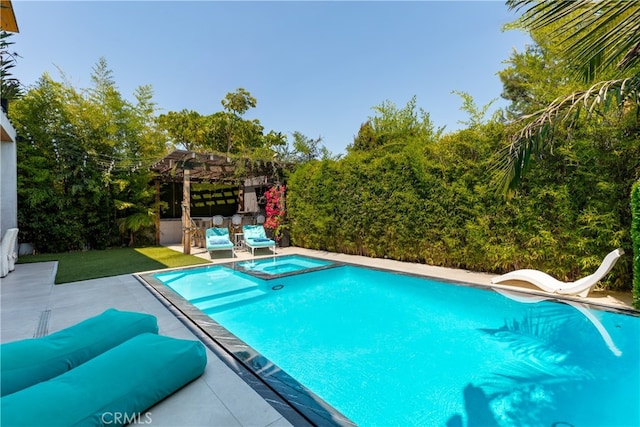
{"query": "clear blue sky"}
(314, 67)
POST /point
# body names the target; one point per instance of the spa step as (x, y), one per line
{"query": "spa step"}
(224, 289)
(219, 303)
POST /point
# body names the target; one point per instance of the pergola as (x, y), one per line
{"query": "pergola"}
(190, 166)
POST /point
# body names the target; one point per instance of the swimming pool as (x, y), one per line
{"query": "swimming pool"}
(394, 349)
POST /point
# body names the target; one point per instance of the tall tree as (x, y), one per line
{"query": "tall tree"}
(594, 37)
(182, 128)
(223, 131)
(534, 78)
(143, 142)
(239, 132)
(395, 126)
(239, 102)
(308, 149)
(83, 161)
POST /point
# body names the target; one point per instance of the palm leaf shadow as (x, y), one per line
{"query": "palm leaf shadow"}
(538, 341)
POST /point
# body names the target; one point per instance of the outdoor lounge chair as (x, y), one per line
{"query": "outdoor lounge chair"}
(255, 237)
(217, 239)
(547, 283)
(8, 252)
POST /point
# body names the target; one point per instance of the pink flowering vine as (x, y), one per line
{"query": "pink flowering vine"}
(275, 210)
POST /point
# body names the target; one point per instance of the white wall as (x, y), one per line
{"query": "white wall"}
(250, 199)
(170, 231)
(8, 178)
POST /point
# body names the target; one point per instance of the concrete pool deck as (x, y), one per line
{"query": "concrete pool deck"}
(31, 305)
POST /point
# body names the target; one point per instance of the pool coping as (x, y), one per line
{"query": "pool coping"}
(517, 290)
(293, 400)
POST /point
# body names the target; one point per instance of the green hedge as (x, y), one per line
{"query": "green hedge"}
(436, 203)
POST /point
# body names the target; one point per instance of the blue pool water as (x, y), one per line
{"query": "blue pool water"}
(392, 349)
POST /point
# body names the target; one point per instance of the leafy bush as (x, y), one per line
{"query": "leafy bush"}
(635, 239)
(418, 197)
(83, 158)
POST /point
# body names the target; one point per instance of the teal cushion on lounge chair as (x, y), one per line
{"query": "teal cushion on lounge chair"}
(27, 362)
(254, 232)
(218, 241)
(255, 237)
(110, 389)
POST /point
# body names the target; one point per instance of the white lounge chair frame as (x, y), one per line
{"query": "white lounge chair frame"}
(8, 251)
(250, 232)
(220, 232)
(550, 284)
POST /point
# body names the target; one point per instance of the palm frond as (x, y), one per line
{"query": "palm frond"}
(122, 205)
(136, 221)
(536, 129)
(595, 34)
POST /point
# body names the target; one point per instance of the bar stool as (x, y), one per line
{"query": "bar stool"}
(236, 223)
(217, 221)
(236, 230)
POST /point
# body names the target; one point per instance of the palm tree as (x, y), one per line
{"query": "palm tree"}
(9, 86)
(594, 36)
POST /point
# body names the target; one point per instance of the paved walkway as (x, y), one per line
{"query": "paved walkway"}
(32, 306)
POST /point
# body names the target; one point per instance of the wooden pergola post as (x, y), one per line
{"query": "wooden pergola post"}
(186, 212)
(157, 219)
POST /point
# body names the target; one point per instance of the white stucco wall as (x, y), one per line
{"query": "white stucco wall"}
(8, 178)
(170, 231)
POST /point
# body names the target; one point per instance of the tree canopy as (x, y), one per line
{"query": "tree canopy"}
(221, 132)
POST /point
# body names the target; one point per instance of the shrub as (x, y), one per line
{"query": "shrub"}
(415, 199)
(635, 241)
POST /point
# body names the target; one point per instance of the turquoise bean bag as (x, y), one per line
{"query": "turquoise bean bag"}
(113, 388)
(28, 362)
